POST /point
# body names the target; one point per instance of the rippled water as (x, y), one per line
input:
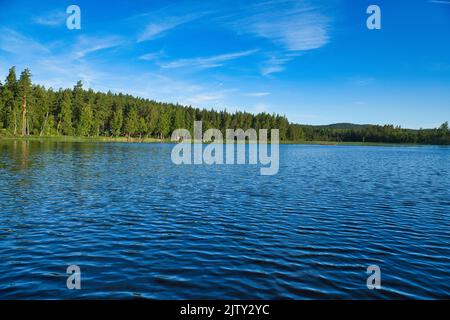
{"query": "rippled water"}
(139, 226)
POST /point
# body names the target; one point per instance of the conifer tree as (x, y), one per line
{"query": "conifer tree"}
(131, 122)
(85, 124)
(65, 115)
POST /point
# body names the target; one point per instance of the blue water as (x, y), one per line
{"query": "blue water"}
(139, 226)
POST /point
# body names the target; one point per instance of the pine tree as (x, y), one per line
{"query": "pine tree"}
(49, 125)
(2, 106)
(179, 119)
(143, 127)
(77, 101)
(101, 114)
(41, 110)
(152, 119)
(132, 122)
(10, 101)
(282, 125)
(65, 115)
(85, 124)
(24, 90)
(164, 123)
(117, 121)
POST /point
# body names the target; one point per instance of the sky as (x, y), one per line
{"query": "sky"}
(314, 61)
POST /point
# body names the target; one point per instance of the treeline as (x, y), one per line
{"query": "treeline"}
(375, 133)
(29, 109)
(32, 109)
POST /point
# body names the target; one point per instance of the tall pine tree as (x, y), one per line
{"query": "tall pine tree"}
(65, 114)
(24, 89)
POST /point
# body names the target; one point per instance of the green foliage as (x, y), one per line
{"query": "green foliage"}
(24, 84)
(88, 113)
(11, 81)
(65, 114)
(152, 118)
(132, 122)
(85, 125)
(24, 92)
(374, 133)
(77, 101)
(10, 94)
(179, 119)
(163, 126)
(2, 106)
(117, 121)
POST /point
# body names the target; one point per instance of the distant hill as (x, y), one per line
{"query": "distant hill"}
(348, 125)
(343, 125)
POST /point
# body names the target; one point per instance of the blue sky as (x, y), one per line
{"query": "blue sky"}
(314, 61)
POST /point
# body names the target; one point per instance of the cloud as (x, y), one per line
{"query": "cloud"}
(31, 50)
(56, 64)
(86, 45)
(204, 98)
(257, 94)
(295, 33)
(162, 87)
(66, 63)
(156, 29)
(292, 25)
(18, 44)
(439, 1)
(274, 65)
(207, 62)
(152, 55)
(51, 19)
(260, 108)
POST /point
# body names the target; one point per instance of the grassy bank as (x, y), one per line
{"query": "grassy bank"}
(154, 140)
(78, 139)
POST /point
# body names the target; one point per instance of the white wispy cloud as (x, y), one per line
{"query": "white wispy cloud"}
(207, 62)
(294, 32)
(257, 94)
(25, 47)
(202, 98)
(274, 65)
(439, 1)
(61, 65)
(86, 45)
(56, 64)
(152, 56)
(51, 19)
(259, 108)
(18, 44)
(158, 28)
(293, 25)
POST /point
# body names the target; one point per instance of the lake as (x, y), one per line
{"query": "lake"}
(139, 226)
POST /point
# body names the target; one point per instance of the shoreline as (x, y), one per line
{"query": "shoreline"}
(155, 140)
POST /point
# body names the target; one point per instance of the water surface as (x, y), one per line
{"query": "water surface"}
(140, 226)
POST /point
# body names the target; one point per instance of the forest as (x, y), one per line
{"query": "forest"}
(31, 109)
